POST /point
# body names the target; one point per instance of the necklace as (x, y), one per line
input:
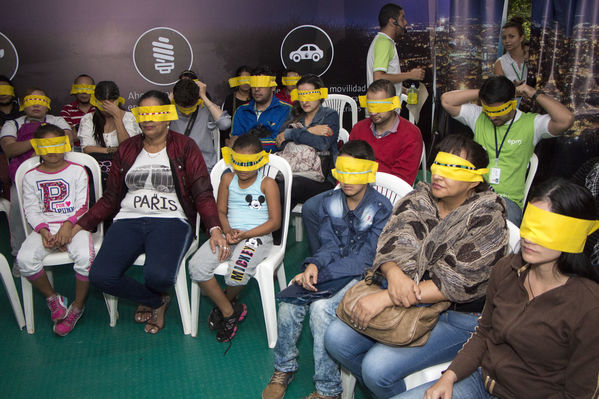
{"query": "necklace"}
(154, 154)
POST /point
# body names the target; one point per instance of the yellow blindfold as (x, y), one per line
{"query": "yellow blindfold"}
(244, 162)
(290, 80)
(30, 100)
(378, 106)
(555, 231)
(355, 171)
(98, 104)
(456, 168)
(192, 109)
(309, 95)
(53, 145)
(500, 110)
(83, 89)
(239, 80)
(7, 90)
(263, 81)
(155, 113)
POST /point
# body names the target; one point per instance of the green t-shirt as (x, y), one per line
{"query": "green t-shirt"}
(514, 156)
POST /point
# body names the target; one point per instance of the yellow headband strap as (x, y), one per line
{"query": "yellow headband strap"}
(52, 145)
(456, 168)
(500, 110)
(263, 81)
(309, 95)
(98, 104)
(244, 162)
(189, 110)
(155, 113)
(290, 80)
(30, 100)
(7, 90)
(85, 89)
(555, 231)
(378, 106)
(351, 170)
(239, 80)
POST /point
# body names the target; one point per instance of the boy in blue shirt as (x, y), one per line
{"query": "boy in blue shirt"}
(351, 220)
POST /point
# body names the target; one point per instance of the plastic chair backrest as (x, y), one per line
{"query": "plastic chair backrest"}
(216, 141)
(391, 186)
(404, 100)
(275, 165)
(533, 164)
(338, 102)
(514, 241)
(343, 136)
(75, 157)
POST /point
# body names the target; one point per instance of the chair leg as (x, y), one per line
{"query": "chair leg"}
(50, 276)
(195, 307)
(11, 291)
(299, 228)
(267, 294)
(28, 304)
(183, 299)
(348, 383)
(112, 304)
(281, 278)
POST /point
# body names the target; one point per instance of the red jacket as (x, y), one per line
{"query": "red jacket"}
(192, 181)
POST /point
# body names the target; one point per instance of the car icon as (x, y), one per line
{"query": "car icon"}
(307, 52)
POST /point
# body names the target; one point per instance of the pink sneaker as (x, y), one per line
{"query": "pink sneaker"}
(57, 305)
(67, 324)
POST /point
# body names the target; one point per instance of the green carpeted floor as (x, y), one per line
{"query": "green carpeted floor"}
(96, 361)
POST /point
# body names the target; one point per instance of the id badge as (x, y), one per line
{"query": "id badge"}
(495, 175)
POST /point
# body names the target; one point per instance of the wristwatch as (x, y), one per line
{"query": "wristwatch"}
(538, 92)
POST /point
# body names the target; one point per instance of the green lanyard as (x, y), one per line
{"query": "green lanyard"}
(520, 78)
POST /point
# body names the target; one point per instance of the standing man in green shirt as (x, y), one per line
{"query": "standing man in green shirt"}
(508, 135)
(382, 61)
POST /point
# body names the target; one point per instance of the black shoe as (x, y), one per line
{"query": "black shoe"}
(215, 317)
(228, 326)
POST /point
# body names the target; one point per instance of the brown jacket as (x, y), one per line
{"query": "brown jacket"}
(544, 348)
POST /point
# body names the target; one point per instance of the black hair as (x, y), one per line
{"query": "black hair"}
(359, 149)
(188, 74)
(475, 153)
(383, 85)
(515, 22)
(296, 110)
(4, 78)
(186, 93)
(250, 140)
(570, 199)
(284, 74)
(105, 90)
(161, 96)
(497, 89)
(243, 68)
(46, 128)
(30, 90)
(262, 70)
(83, 75)
(389, 10)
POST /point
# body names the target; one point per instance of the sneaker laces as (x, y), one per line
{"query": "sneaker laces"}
(54, 303)
(73, 315)
(279, 377)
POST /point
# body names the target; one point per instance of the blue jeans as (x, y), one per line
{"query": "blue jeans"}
(514, 212)
(164, 241)
(471, 387)
(382, 368)
(311, 220)
(327, 377)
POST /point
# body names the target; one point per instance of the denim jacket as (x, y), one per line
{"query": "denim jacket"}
(324, 116)
(348, 238)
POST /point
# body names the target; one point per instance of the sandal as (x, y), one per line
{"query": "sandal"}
(143, 313)
(153, 326)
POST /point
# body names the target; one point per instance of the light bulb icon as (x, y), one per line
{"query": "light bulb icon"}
(164, 55)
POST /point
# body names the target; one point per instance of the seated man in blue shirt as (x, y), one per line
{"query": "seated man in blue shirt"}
(351, 220)
(264, 109)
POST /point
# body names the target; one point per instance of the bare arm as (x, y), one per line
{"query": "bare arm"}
(13, 148)
(452, 101)
(214, 109)
(414, 74)
(222, 200)
(561, 117)
(90, 149)
(498, 69)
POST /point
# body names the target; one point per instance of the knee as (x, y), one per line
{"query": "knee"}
(321, 315)
(334, 342)
(377, 376)
(160, 282)
(99, 278)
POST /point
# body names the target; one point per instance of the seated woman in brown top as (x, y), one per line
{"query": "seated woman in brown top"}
(537, 337)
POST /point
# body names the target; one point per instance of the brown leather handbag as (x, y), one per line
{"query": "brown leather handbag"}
(394, 326)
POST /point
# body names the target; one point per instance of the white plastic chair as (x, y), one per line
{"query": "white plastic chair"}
(180, 287)
(216, 141)
(273, 262)
(338, 103)
(296, 212)
(11, 291)
(348, 381)
(55, 258)
(404, 100)
(4, 205)
(533, 164)
(391, 186)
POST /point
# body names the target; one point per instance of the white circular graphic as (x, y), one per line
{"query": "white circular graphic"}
(307, 49)
(161, 54)
(9, 58)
